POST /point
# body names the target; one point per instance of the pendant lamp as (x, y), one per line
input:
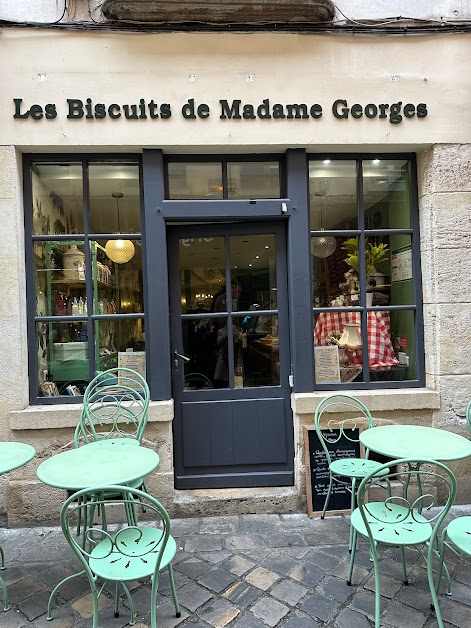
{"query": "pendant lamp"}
(119, 251)
(322, 246)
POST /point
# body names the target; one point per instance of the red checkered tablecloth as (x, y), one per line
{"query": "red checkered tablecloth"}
(380, 348)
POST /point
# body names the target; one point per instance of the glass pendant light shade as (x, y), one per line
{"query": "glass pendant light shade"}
(323, 246)
(119, 251)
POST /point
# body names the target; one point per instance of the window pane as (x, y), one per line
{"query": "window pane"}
(397, 347)
(253, 272)
(117, 288)
(386, 190)
(195, 181)
(253, 179)
(115, 203)
(342, 331)
(57, 198)
(60, 278)
(112, 336)
(202, 275)
(333, 195)
(62, 350)
(328, 274)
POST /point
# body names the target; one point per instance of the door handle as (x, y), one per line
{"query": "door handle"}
(182, 357)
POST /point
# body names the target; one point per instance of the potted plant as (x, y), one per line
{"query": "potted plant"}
(374, 254)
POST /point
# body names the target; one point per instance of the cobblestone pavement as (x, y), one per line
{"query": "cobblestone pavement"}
(248, 571)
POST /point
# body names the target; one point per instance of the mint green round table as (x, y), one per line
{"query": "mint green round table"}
(98, 463)
(415, 441)
(14, 455)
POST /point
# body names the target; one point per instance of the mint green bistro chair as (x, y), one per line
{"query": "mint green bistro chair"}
(115, 405)
(330, 415)
(404, 520)
(468, 415)
(129, 552)
(457, 538)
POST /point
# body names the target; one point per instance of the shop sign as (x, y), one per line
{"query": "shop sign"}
(340, 109)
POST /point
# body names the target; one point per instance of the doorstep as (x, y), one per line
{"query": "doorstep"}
(237, 501)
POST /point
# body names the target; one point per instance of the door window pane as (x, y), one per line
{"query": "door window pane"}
(333, 195)
(115, 203)
(195, 181)
(253, 179)
(57, 191)
(386, 194)
(253, 272)
(202, 275)
(256, 351)
(200, 344)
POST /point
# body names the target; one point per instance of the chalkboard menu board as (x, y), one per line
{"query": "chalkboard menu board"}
(317, 470)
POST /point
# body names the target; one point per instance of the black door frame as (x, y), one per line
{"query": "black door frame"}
(225, 476)
(293, 208)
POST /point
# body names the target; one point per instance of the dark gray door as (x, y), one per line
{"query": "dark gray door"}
(231, 365)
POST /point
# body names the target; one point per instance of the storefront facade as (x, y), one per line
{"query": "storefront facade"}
(239, 171)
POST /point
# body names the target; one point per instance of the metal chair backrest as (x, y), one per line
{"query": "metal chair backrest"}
(331, 415)
(123, 545)
(115, 405)
(411, 503)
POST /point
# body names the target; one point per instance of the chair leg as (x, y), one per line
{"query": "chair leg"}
(404, 567)
(153, 601)
(174, 591)
(433, 585)
(6, 601)
(377, 588)
(56, 588)
(327, 496)
(2, 556)
(116, 599)
(352, 557)
(132, 621)
(352, 508)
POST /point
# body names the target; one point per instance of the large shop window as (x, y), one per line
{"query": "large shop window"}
(365, 277)
(85, 273)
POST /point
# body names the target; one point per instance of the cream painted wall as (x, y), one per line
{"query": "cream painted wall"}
(48, 67)
(51, 66)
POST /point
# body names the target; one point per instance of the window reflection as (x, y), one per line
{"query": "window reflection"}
(57, 198)
(333, 195)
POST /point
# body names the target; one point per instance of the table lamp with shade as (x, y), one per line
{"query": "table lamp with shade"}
(119, 251)
(350, 341)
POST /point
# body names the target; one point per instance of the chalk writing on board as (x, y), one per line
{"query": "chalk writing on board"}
(319, 469)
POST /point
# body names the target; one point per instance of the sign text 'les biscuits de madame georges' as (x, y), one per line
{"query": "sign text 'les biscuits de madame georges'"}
(76, 109)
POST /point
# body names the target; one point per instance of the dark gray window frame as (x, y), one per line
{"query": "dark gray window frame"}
(156, 211)
(30, 239)
(414, 233)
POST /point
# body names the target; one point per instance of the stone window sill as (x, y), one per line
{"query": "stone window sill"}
(375, 400)
(66, 415)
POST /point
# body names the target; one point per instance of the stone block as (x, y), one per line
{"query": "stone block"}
(444, 275)
(30, 502)
(444, 168)
(9, 167)
(446, 219)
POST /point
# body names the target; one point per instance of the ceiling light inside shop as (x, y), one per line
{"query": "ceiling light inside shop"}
(119, 251)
